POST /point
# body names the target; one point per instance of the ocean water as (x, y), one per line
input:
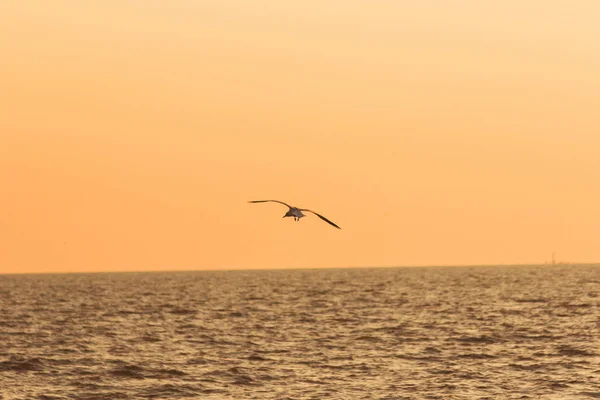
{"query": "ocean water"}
(527, 332)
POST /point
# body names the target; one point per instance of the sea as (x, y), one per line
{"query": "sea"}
(488, 332)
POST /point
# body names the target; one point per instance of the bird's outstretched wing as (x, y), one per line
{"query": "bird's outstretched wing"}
(273, 201)
(320, 216)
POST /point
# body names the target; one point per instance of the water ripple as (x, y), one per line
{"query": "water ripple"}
(398, 333)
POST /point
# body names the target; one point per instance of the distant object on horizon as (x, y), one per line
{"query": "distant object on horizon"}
(295, 211)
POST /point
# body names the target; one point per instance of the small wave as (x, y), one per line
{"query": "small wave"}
(536, 337)
(442, 371)
(313, 381)
(198, 361)
(595, 395)
(367, 338)
(430, 349)
(344, 320)
(243, 380)
(237, 314)
(476, 356)
(204, 339)
(274, 351)
(476, 339)
(128, 312)
(576, 305)
(256, 357)
(128, 371)
(132, 371)
(418, 358)
(236, 370)
(558, 385)
(228, 372)
(169, 390)
(530, 367)
(532, 300)
(150, 338)
(331, 366)
(103, 395)
(23, 365)
(574, 352)
(234, 375)
(166, 373)
(182, 311)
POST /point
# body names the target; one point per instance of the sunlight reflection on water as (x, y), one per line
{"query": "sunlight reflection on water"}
(385, 333)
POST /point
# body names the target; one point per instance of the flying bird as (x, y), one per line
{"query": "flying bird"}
(295, 211)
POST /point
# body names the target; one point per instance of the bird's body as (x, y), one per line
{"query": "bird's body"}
(295, 212)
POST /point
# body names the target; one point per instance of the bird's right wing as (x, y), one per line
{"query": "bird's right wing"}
(272, 201)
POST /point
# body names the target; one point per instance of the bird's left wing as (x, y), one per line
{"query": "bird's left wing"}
(320, 216)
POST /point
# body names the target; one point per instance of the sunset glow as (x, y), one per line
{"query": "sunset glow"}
(133, 133)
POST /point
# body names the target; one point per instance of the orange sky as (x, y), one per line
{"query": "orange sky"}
(133, 132)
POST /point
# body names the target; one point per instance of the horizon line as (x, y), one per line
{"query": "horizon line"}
(550, 264)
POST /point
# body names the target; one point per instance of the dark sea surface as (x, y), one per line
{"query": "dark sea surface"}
(526, 332)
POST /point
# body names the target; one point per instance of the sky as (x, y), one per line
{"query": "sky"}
(434, 132)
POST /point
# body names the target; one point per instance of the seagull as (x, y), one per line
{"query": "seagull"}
(295, 211)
